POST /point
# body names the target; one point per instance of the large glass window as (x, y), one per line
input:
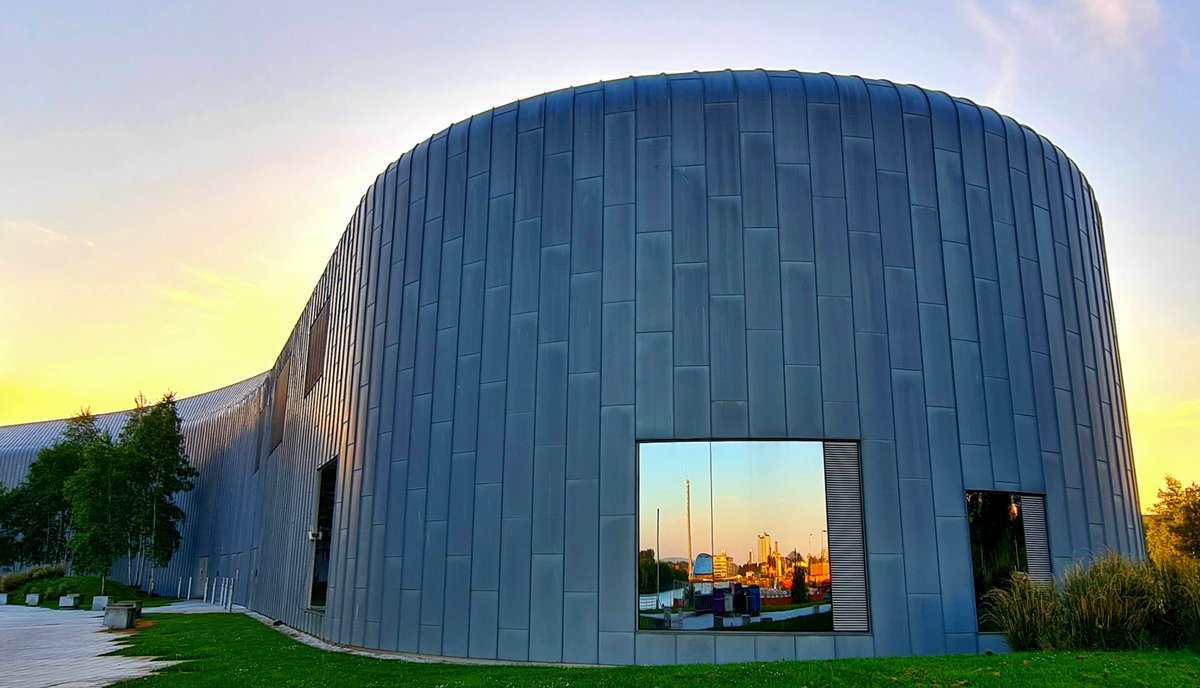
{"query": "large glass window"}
(733, 536)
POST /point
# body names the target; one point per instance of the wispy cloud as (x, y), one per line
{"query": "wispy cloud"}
(1122, 23)
(190, 299)
(26, 229)
(212, 291)
(1096, 34)
(1007, 54)
(232, 287)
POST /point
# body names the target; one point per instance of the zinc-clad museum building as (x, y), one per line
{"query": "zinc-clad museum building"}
(561, 335)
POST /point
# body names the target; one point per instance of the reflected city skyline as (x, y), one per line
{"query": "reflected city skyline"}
(732, 537)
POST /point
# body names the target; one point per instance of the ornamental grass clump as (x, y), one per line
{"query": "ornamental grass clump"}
(1029, 614)
(1112, 603)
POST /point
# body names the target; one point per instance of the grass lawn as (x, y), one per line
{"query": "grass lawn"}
(87, 587)
(235, 650)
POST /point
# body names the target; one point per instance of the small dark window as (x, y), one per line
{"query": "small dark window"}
(279, 410)
(258, 433)
(322, 535)
(996, 522)
(316, 349)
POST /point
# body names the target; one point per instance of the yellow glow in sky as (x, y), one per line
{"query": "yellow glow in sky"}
(173, 178)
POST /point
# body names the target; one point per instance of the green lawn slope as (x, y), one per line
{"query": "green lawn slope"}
(86, 586)
(235, 650)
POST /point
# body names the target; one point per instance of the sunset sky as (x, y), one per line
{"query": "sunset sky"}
(776, 488)
(174, 178)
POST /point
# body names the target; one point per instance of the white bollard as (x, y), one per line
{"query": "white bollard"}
(179, 588)
(233, 588)
(189, 588)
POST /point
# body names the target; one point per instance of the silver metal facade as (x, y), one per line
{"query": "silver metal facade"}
(523, 296)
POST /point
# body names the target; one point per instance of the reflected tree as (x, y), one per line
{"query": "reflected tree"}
(997, 540)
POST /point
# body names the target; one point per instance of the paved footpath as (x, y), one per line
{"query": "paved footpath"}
(44, 648)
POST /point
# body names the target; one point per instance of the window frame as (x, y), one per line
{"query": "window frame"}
(314, 366)
(312, 569)
(847, 475)
(279, 404)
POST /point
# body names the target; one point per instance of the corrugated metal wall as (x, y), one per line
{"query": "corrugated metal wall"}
(736, 254)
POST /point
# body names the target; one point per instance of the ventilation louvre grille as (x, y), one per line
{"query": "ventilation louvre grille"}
(1037, 545)
(847, 550)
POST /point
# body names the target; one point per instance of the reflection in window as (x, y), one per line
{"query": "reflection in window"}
(279, 406)
(996, 521)
(733, 537)
(317, 336)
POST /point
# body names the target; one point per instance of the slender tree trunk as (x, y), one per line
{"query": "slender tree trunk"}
(153, 527)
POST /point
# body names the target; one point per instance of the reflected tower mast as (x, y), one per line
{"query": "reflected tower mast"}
(687, 487)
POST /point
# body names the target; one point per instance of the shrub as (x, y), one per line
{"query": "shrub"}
(1177, 621)
(87, 587)
(1112, 603)
(12, 581)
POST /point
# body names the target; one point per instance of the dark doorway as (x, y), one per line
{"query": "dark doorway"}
(996, 521)
(322, 535)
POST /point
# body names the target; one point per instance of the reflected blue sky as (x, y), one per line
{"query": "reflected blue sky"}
(772, 487)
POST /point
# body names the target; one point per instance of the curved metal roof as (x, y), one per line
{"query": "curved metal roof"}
(22, 438)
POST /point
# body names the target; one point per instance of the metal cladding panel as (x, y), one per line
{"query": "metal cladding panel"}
(734, 254)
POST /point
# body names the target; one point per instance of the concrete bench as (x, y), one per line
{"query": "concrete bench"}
(70, 601)
(33, 599)
(99, 602)
(119, 616)
(137, 607)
